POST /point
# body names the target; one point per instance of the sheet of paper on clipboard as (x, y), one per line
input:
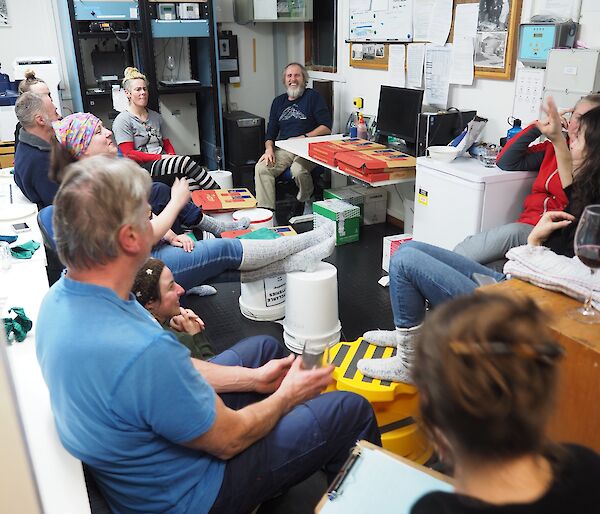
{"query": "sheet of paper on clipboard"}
(378, 481)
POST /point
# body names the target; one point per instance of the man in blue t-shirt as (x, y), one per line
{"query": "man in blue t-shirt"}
(299, 112)
(160, 431)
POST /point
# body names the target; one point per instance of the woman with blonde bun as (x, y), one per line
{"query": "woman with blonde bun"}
(139, 136)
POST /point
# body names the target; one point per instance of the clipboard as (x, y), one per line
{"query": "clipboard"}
(375, 480)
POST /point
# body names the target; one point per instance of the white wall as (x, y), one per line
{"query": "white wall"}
(256, 90)
(32, 33)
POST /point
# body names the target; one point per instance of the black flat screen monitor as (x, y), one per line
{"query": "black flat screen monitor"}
(398, 112)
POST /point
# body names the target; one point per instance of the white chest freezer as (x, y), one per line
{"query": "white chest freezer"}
(457, 199)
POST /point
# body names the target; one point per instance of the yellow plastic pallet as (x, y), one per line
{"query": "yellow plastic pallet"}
(395, 404)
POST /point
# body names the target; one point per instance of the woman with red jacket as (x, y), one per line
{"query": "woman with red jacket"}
(138, 132)
(547, 192)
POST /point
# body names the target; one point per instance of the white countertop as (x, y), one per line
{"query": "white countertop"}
(299, 146)
(58, 475)
(469, 168)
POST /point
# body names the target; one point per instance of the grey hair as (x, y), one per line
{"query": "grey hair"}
(593, 98)
(27, 107)
(305, 76)
(97, 197)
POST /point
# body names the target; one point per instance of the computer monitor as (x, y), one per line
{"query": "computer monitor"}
(398, 112)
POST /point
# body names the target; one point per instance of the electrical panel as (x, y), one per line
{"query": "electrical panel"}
(106, 10)
(537, 39)
(229, 65)
(571, 74)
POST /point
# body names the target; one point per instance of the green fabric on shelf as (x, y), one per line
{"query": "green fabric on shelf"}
(261, 233)
(25, 250)
(16, 328)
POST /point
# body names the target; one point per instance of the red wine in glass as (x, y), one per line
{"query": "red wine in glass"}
(589, 255)
(587, 248)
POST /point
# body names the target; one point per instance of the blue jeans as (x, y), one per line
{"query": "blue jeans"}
(160, 196)
(317, 434)
(419, 272)
(208, 258)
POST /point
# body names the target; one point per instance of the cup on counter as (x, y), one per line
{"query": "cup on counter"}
(5, 256)
(488, 156)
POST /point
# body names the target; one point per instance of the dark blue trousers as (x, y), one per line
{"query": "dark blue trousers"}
(318, 434)
(160, 195)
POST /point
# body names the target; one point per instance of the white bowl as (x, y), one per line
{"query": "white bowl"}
(442, 153)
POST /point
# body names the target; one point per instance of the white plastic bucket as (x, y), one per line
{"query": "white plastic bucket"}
(258, 216)
(263, 300)
(223, 178)
(311, 308)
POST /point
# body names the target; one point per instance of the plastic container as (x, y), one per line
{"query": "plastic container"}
(263, 300)
(442, 153)
(311, 309)
(258, 216)
(223, 178)
(515, 129)
(361, 128)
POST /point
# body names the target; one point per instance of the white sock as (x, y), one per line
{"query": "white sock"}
(215, 226)
(391, 337)
(305, 260)
(259, 253)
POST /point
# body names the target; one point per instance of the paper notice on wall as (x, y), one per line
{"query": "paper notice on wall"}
(462, 70)
(529, 90)
(564, 8)
(415, 55)
(380, 5)
(360, 5)
(465, 20)
(362, 26)
(396, 24)
(265, 9)
(441, 19)
(438, 63)
(396, 66)
(421, 21)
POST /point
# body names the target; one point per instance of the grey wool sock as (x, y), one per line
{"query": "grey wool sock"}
(305, 260)
(391, 337)
(397, 368)
(215, 226)
(259, 253)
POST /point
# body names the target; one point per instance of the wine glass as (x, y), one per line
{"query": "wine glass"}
(171, 65)
(587, 248)
(218, 155)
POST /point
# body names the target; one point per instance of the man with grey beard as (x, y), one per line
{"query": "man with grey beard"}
(299, 112)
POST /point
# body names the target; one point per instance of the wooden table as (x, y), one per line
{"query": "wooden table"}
(577, 417)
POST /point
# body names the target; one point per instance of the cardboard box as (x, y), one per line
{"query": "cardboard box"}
(390, 245)
(367, 162)
(372, 202)
(223, 200)
(345, 215)
(373, 178)
(327, 151)
(7, 154)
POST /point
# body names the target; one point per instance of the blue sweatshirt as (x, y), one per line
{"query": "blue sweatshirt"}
(291, 118)
(32, 163)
